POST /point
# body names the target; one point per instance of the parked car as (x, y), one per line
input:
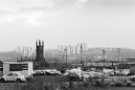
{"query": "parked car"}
(13, 76)
(52, 72)
(46, 72)
(39, 72)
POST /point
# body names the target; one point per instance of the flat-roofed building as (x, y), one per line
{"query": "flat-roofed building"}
(25, 68)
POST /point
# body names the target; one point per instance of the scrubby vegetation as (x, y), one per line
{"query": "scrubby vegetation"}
(62, 83)
(58, 83)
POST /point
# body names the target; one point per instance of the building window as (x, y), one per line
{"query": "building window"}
(18, 67)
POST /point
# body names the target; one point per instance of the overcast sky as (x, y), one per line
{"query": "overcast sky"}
(99, 23)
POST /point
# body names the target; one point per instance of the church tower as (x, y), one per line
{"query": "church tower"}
(39, 50)
(40, 59)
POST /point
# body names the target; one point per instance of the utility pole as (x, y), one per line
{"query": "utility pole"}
(65, 51)
(119, 54)
(81, 52)
(104, 54)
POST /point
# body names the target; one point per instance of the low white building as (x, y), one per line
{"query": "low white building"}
(25, 68)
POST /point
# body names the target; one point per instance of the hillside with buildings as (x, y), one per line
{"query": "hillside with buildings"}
(91, 54)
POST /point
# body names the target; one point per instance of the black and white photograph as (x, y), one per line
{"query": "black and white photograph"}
(67, 44)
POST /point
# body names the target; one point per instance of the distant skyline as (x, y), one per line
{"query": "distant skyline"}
(99, 23)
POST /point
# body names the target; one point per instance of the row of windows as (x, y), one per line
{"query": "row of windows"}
(18, 67)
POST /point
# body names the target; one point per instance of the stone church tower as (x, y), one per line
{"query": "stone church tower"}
(39, 51)
(40, 61)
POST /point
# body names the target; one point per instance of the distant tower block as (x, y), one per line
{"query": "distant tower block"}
(39, 51)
